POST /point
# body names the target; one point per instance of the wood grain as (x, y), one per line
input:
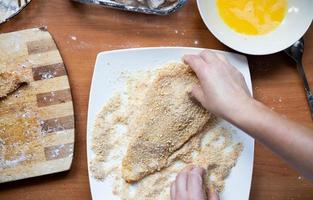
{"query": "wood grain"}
(54, 70)
(40, 46)
(26, 116)
(52, 98)
(58, 151)
(275, 83)
(57, 124)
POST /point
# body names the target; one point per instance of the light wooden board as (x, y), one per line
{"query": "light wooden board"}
(36, 121)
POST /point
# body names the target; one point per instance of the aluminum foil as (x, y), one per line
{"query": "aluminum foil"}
(164, 9)
(10, 8)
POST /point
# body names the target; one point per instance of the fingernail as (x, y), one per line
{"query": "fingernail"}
(198, 170)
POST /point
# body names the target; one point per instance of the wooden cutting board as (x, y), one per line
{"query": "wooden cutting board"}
(37, 120)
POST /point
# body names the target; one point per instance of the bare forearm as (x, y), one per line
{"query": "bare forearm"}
(223, 91)
(286, 138)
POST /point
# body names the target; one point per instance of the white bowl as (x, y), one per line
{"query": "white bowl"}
(297, 21)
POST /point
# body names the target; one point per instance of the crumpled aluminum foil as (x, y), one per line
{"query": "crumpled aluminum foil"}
(153, 7)
(10, 8)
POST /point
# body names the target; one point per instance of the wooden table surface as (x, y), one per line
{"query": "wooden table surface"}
(81, 31)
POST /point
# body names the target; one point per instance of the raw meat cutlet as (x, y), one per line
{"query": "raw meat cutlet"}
(9, 82)
(168, 118)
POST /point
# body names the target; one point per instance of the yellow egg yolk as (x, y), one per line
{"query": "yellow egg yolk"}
(252, 17)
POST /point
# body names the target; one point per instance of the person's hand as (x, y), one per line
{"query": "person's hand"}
(188, 185)
(222, 87)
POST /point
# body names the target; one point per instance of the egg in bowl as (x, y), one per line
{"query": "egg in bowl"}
(288, 25)
(252, 17)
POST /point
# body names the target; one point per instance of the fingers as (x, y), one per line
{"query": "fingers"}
(189, 185)
(181, 182)
(195, 183)
(188, 168)
(211, 58)
(179, 186)
(204, 60)
(197, 64)
(173, 191)
(212, 195)
(198, 170)
(222, 58)
(197, 93)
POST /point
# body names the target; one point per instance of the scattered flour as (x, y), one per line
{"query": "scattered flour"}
(74, 38)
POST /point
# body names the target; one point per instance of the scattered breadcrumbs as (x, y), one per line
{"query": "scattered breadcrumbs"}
(20, 139)
(117, 127)
(9, 82)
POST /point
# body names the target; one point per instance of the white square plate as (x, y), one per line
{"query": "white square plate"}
(105, 82)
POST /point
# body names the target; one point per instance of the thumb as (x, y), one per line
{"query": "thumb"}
(197, 94)
(212, 195)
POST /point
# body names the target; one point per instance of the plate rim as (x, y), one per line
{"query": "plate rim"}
(90, 123)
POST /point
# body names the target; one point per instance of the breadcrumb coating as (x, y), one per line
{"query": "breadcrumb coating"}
(9, 82)
(168, 118)
(211, 148)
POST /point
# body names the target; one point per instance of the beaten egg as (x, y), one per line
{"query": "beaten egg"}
(252, 17)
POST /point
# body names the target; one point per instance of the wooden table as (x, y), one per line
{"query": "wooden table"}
(82, 31)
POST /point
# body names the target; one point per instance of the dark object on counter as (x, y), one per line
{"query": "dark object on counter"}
(156, 7)
(295, 52)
